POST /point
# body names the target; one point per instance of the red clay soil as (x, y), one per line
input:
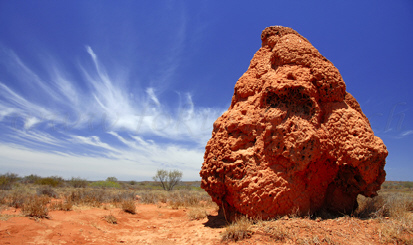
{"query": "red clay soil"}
(151, 225)
(162, 225)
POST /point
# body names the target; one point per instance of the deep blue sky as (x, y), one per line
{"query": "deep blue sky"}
(122, 88)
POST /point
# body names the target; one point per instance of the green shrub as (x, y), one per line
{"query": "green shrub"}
(53, 181)
(78, 182)
(106, 184)
(31, 179)
(7, 180)
(112, 179)
(408, 184)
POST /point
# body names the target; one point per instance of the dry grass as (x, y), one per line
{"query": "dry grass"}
(241, 229)
(390, 213)
(129, 206)
(276, 231)
(16, 199)
(187, 198)
(48, 191)
(176, 199)
(197, 213)
(385, 205)
(36, 206)
(96, 197)
(397, 231)
(61, 205)
(394, 211)
(153, 197)
(111, 219)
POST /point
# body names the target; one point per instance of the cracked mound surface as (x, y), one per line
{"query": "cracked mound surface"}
(293, 140)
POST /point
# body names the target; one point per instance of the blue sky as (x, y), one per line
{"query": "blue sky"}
(121, 88)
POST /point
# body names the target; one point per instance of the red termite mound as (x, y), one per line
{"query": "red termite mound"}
(293, 140)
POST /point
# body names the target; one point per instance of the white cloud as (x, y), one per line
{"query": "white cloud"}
(152, 96)
(30, 122)
(107, 104)
(13, 101)
(95, 142)
(406, 133)
(34, 138)
(72, 114)
(25, 74)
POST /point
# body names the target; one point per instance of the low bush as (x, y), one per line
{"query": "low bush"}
(111, 219)
(408, 184)
(47, 191)
(61, 205)
(184, 198)
(93, 198)
(31, 179)
(16, 199)
(106, 184)
(96, 197)
(78, 182)
(36, 206)
(119, 196)
(197, 213)
(129, 206)
(176, 199)
(53, 181)
(7, 180)
(3, 197)
(153, 197)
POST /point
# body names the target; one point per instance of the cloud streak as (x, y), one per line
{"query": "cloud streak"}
(104, 119)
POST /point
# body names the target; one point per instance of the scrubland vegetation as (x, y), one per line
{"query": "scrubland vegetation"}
(35, 196)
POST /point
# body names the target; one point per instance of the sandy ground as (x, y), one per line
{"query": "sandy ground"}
(151, 225)
(162, 225)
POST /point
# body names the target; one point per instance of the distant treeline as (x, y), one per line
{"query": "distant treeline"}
(10, 180)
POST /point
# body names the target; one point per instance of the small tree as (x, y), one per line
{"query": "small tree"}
(168, 179)
(112, 179)
(78, 182)
(7, 180)
(31, 179)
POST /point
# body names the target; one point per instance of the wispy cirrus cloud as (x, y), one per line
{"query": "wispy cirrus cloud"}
(107, 102)
(105, 118)
(81, 116)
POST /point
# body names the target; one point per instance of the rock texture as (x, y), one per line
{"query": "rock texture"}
(293, 140)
